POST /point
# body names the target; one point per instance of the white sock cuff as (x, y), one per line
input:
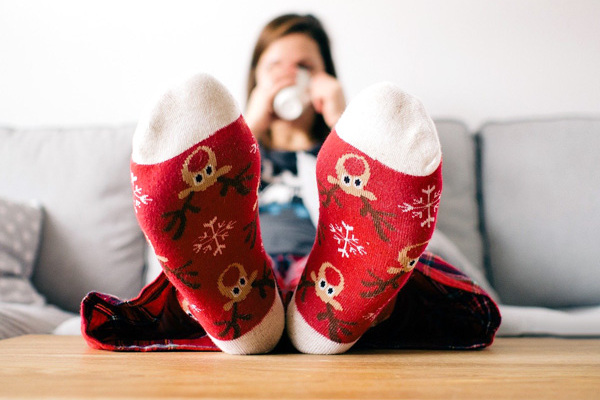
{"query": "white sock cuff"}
(306, 339)
(392, 127)
(262, 338)
(182, 117)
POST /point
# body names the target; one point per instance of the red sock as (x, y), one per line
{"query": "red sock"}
(195, 171)
(379, 176)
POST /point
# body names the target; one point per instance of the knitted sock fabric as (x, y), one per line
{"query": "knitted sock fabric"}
(380, 181)
(195, 171)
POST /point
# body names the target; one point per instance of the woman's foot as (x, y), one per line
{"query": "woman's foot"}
(195, 171)
(380, 181)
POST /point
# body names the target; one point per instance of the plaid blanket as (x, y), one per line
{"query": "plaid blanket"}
(438, 308)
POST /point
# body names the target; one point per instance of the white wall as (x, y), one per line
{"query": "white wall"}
(77, 62)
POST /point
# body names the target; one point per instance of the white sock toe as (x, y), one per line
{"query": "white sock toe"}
(183, 116)
(392, 127)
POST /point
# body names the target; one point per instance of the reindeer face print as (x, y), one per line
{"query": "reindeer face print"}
(240, 287)
(328, 286)
(379, 284)
(407, 263)
(353, 174)
(206, 172)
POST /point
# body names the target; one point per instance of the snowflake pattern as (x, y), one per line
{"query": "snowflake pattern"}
(425, 207)
(140, 199)
(254, 148)
(213, 239)
(343, 235)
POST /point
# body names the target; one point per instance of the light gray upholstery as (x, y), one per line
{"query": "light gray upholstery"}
(541, 191)
(20, 231)
(90, 239)
(23, 319)
(540, 188)
(444, 247)
(458, 217)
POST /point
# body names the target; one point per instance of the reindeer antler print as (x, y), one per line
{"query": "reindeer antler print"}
(252, 231)
(265, 281)
(200, 179)
(320, 234)
(236, 182)
(303, 286)
(183, 274)
(352, 176)
(329, 194)
(336, 325)
(209, 174)
(327, 290)
(233, 322)
(237, 292)
(380, 285)
(378, 218)
(179, 217)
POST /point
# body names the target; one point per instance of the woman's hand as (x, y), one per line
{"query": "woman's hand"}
(259, 110)
(327, 97)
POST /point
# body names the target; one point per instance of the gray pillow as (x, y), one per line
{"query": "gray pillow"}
(20, 229)
(91, 239)
(22, 309)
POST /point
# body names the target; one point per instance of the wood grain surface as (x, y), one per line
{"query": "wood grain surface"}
(44, 367)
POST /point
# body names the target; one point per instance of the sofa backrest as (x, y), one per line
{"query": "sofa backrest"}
(458, 216)
(91, 240)
(540, 185)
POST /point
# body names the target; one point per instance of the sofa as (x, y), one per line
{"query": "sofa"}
(519, 214)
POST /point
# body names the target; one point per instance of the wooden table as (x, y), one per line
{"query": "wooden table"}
(40, 367)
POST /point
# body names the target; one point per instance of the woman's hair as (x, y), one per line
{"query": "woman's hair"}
(285, 25)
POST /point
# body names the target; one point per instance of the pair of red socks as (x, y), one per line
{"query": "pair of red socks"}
(195, 171)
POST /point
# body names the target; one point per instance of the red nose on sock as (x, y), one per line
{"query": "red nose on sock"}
(198, 161)
(333, 277)
(231, 277)
(354, 166)
(416, 251)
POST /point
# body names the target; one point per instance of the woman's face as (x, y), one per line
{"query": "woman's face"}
(284, 56)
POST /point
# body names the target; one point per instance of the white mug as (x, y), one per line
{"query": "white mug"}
(290, 102)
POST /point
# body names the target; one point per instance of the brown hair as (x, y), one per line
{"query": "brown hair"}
(285, 25)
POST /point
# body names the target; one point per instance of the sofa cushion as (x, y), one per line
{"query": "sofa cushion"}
(442, 246)
(91, 240)
(539, 321)
(20, 229)
(29, 319)
(540, 187)
(458, 217)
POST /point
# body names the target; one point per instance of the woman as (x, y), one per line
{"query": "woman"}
(337, 300)
(288, 44)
